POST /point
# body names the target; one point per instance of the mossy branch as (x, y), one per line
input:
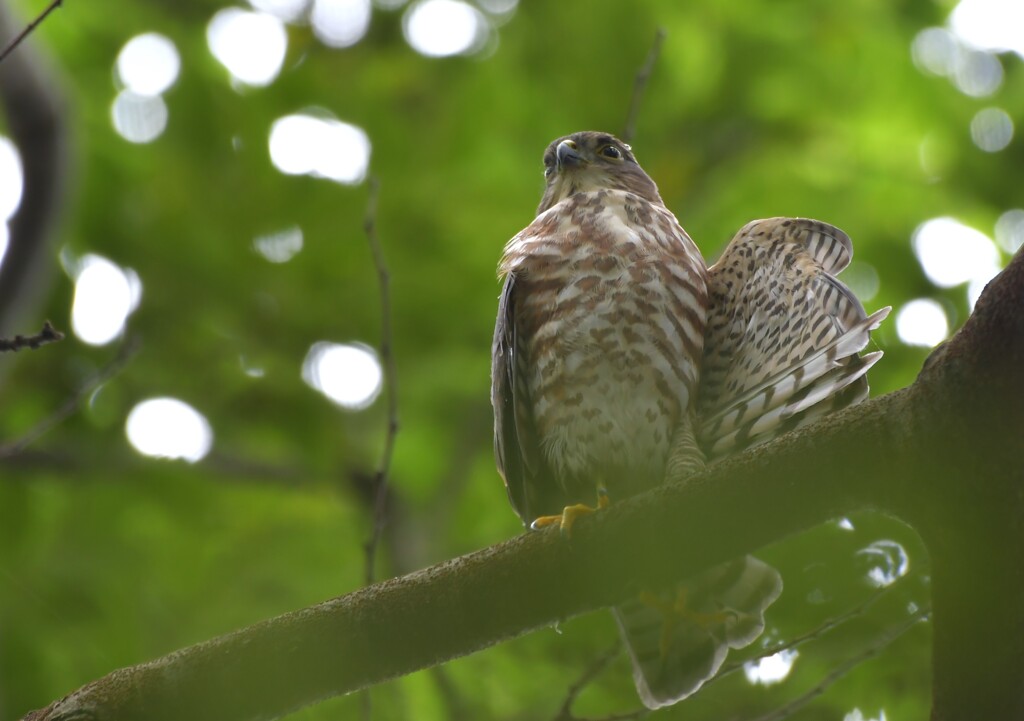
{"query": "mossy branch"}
(944, 455)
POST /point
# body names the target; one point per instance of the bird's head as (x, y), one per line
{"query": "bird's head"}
(589, 161)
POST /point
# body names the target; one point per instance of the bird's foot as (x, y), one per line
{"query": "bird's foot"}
(677, 611)
(569, 514)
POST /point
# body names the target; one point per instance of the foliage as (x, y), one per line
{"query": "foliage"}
(754, 109)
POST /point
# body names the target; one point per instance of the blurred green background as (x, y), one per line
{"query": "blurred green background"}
(239, 250)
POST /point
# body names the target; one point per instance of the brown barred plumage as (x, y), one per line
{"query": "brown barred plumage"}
(620, 361)
(783, 334)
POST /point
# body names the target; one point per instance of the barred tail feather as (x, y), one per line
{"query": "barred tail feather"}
(780, 388)
(783, 334)
(667, 669)
(759, 414)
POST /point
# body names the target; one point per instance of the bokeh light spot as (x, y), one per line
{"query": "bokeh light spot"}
(279, 247)
(995, 25)
(770, 669)
(348, 374)
(922, 322)
(991, 129)
(1010, 230)
(169, 428)
(251, 45)
(977, 73)
(940, 52)
(340, 23)
(858, 715)
(139, 118)
(148, 64)
(105, 295)
(321, 147)
(439, 28)
(500, 8)
(952, 253)
(888, 562)
(286, 10)
(934, 50)
(11, 179)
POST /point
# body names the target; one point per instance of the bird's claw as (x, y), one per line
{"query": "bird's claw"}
(569, 514)
(676, 611)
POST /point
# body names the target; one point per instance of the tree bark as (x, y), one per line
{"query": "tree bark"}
(944, 455)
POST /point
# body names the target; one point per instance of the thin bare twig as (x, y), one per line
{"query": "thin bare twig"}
(380, 484)
(72, 404)
(811, 635)
(589, 674)
(565, 713)
(880, 644)
(31, 26)
(380, 481)
(48, 334)
(639, 84)
(628, 716)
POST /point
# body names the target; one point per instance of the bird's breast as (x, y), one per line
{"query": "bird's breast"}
(612, 316)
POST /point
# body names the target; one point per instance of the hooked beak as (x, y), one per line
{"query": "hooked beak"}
(567, 156)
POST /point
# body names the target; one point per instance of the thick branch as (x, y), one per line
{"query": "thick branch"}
(34, 112)
(917, 453)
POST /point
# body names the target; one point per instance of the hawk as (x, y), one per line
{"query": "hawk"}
(621, 361)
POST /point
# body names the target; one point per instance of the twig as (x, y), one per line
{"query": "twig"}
(844, 668)
(589, 674)
(380, 481)
(387, 358)
(48, 334)
(628, 716)
(115, 366)
(565, 713)
(811, 635)
(31, 26)
(639, 84)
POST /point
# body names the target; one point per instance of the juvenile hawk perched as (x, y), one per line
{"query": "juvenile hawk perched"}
(621, 361)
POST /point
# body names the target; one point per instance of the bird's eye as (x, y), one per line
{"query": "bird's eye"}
(610, 151)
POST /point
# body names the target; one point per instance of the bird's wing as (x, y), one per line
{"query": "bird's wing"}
(783, 334)
(516, 448)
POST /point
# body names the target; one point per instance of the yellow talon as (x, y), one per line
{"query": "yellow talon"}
(569, 514)
(677, 611)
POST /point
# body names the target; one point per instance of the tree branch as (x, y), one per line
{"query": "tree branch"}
(28, 29)
(873, 649)
(33, 109)
(640, 84)
(387, 357)
(70, 406)
(586, 678)
(943, 454)
(48, 334)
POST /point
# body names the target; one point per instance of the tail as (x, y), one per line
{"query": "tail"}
(680, 639)
(781, 349)
(783, 334)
